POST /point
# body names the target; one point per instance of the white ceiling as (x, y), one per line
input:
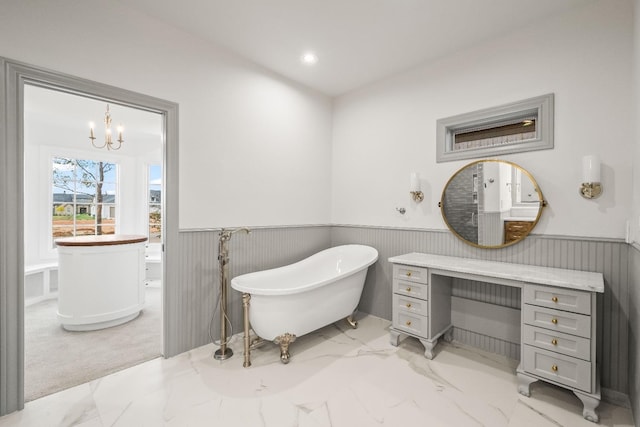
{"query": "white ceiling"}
(357, 41)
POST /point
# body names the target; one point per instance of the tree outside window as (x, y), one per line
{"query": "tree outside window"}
(155, 203)
(84, 197)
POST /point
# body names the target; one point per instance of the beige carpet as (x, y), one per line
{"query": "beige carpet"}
(56, 359)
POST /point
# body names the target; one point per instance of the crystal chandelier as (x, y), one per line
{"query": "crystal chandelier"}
(108, 141)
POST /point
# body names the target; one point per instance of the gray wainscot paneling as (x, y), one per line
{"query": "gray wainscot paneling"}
(196, 303)
(605, 256)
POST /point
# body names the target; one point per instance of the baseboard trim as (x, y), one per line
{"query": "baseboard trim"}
(616, 398)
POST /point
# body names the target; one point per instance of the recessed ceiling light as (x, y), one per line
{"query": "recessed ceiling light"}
(309, 58)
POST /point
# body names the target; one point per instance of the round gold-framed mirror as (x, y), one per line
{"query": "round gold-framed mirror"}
(491, 203)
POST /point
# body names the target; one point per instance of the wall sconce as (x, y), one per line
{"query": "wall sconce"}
(590, 187)
(416, 194)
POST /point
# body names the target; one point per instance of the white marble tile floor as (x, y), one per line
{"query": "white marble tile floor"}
(337, 377)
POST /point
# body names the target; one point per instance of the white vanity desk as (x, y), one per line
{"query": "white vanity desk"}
(558, 316)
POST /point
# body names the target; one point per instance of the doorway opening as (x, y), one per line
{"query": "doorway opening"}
(15, 77)
(74, 187)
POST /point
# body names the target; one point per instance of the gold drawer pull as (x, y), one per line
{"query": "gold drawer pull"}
(554, 321)
(554, 341)
(554, 299)
(409, 289)
(408, 274)
(408, 305)
(408, 322)
(554, 368)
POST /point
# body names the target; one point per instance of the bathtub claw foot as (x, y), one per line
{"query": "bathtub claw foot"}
(352, 322)
(283, 341)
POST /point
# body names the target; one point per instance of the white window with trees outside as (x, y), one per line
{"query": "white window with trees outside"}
(155, 203)
(84, 197)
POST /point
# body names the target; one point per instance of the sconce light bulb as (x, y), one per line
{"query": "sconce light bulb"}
(590, 169)
(591, 187)
(415, 182)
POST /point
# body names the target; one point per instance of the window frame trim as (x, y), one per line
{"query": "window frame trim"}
(446, 127)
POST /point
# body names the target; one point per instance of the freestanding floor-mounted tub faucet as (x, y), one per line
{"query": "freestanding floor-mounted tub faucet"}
(223, 259)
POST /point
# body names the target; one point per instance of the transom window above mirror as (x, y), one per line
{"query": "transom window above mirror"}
(520, 126)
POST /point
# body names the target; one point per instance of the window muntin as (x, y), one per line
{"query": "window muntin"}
(83, 197)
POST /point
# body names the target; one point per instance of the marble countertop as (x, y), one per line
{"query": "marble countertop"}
(560, 277)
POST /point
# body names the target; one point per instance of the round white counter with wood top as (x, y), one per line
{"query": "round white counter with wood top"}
(100, 280)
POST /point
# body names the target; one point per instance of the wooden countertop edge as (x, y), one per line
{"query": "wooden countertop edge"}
(100, 240)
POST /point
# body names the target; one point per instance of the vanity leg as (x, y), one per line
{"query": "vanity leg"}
(448, 335)
(524, 384)
(394, 337)
(428, 348)
(590, 404)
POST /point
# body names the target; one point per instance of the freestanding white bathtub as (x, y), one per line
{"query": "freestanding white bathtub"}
(291, 301)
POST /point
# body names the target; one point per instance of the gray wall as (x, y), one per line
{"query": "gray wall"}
(634, 331)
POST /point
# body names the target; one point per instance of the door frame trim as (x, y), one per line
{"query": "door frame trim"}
(14, 75)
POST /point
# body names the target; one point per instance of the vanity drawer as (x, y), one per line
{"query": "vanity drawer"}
(556, 320)
(410, 305)
(557, 341)
(412, 274)
(410, 289)
(412, 323)
(559, 298)
(562, 369)
(518, 226)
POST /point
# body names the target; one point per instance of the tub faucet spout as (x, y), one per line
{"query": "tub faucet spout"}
(225, 236)
(225, 233)
(245, 229)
